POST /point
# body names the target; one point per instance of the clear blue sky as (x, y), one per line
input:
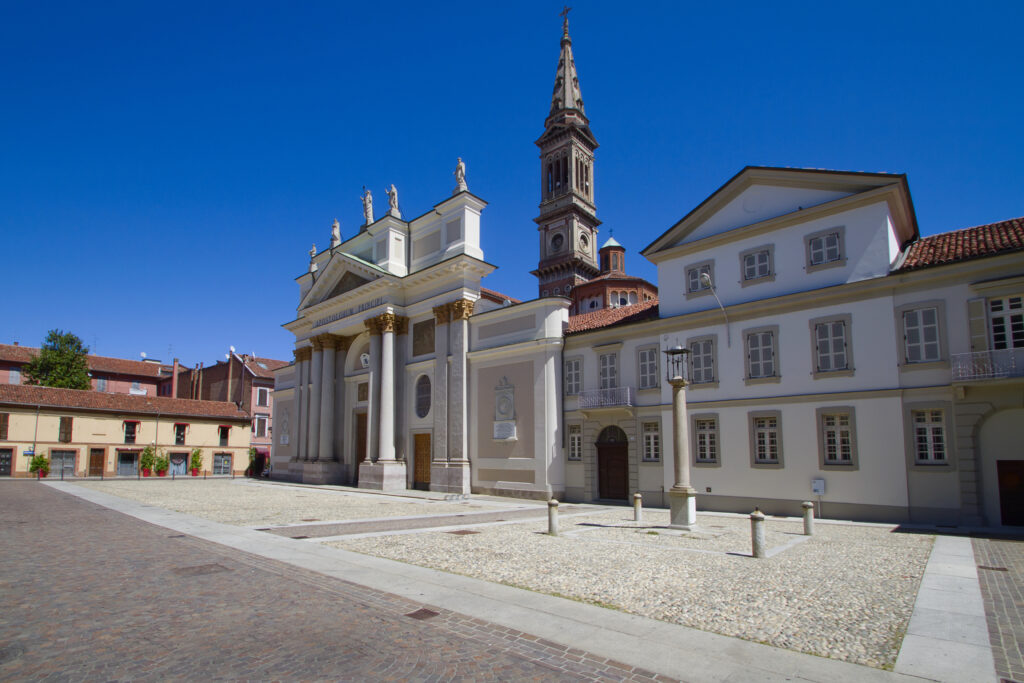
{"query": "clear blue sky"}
(165, 167)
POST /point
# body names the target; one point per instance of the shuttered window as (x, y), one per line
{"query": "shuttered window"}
(4, 419)
(64, 432)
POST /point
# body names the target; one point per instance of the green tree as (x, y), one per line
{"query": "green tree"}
(60, 363)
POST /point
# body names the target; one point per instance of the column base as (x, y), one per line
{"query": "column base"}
(383, 475)
(317, 472)
(682, 508)
(450, 477)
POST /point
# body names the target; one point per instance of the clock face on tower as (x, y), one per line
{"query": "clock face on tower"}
(584, 243)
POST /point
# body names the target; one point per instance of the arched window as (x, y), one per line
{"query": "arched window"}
(422, 396)
(632, 297)
(612, 434)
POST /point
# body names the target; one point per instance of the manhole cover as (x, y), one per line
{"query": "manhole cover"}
(993, 569)
(422, 613)
(10, 652)
(266, 528)
(311, 520)
(462, 532)
(177, 536)
(200, 570)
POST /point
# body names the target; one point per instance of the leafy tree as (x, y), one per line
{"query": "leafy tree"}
(60, 363)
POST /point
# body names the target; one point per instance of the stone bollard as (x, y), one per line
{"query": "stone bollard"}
(552, 517)
(757, 532)
(638, 507)
(808, 507)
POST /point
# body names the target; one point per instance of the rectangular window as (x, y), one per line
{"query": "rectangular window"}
(129, 431)
(830, 342)
(766, 440)
(929, 436)
(261, 422)
(262, 397)
(575, 442)
(573, 376)
(837, 438)
(761, 355)
(705, 432)
(694, 282)
(702, 361)
(757, 265)
(4, 420)
(15, 375)
(179, 434)
(136, 386)
(64, 434)
(101, 384)
(921, 335)
(609, 370)
(222, 463)
(648, 368)
(824, 249)
(1006, 320)
(223, 432)
(652, 442)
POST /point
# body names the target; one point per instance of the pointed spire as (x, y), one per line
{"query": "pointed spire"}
(567, 93)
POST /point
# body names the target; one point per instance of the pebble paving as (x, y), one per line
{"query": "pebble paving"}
(1001, 576)
(90, 594)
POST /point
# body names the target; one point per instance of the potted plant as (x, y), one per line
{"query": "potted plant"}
(196, 462)
(39, 464)
(161, 463)
(146, 460)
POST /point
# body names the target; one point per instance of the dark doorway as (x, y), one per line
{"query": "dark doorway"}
(360, 446)
(421, 457)
(612, 464)
(1011, 491)
(6, 459)
(96, 458)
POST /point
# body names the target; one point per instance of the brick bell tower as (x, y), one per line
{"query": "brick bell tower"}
(567, 224)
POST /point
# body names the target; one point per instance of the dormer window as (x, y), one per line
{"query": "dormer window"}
(825, 249)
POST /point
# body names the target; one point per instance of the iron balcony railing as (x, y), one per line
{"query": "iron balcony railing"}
(988, 364)
(606, 398)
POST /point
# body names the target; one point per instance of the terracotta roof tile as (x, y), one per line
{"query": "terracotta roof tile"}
(607, 317)
(119, 366)
(264, 367)
(497, 296)
(962, 245)
(21, 394)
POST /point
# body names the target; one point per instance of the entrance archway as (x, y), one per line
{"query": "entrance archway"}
(1002, 457)
(612, 464)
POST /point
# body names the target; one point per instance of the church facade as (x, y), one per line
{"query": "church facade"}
(834, 355)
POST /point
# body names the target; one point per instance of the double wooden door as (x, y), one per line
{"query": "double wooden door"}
(96, 458)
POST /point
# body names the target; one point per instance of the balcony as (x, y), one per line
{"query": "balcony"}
(968, 367)
(619, 397)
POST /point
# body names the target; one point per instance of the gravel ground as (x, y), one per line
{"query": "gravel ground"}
(846, 593)
(245, 503)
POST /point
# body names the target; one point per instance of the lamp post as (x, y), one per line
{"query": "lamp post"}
(682, 497)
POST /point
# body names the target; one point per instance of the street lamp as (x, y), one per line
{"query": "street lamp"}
(682, 496)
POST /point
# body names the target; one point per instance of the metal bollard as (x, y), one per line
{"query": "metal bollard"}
(552, 517)
(757, 532)
(808, 507)
(638, 507)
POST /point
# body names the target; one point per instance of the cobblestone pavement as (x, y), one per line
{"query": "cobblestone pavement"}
(91, 594)
(1001, 575)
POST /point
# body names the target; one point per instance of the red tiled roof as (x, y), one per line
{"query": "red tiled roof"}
(497, 296)
(962, 245)
(22, 394)
(118, 366)
(606, 317)
(264, 367)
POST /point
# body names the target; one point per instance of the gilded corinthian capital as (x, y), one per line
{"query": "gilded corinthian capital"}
(443, 314)
(462, 309)
(387, 322)
(372, 326)
(303, 353)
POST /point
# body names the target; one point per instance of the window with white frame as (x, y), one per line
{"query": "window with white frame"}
(648, 366)
(575, 442)
(694, 282)
(766, 440)
(573, 370)
(101, 384)
(705, 436)
(824, 248)
(929, 436)
(831, 346)
(1006, 321)
(837, 438)
(757, 264)
(262, 397)
(921, 335)
(609, 370)
(761, 354)
(15, 376)
(259, 427)
(652, 442)
(702, 361)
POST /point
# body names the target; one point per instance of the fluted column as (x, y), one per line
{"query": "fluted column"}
(386, 440)
(326, 446)
(457, 388)
(439, 404)
(315, 375)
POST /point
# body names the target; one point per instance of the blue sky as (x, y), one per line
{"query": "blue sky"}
(165, 167)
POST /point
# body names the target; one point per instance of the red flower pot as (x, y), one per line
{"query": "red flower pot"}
(42, 475)
(162, 473)
(195, 471)
(146, 471)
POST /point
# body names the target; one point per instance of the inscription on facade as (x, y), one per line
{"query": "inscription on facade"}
(366, 305)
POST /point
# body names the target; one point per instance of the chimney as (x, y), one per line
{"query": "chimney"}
(174, 380)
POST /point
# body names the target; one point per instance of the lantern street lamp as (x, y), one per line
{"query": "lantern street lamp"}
(682, 496)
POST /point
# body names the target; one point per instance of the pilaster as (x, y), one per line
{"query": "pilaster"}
(439, 403)
(458, 456)
(315, 378)
(328, 345)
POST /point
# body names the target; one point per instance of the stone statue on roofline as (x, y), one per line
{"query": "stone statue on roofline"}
(393, 202)
(312, 258)
(460, 177)
(367, 206)
(335, 233)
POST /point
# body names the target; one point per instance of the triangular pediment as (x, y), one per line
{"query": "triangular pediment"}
(342, 275)
(757, 194)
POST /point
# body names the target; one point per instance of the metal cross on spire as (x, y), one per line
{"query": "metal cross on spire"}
(565, 19)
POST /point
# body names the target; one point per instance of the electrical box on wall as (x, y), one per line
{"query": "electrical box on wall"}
(818, 487)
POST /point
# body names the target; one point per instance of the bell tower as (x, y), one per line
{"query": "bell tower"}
(567, 224)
